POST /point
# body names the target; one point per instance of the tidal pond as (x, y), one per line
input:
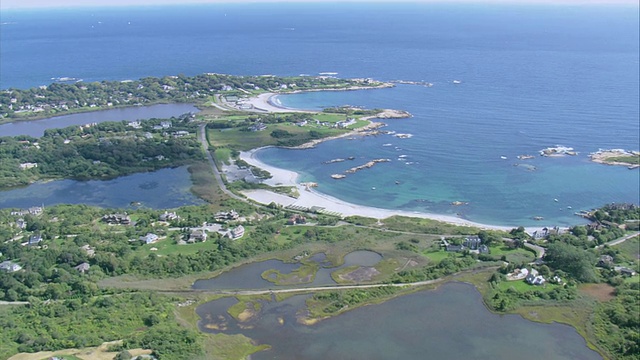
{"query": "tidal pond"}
(160, 189)
(36, 128)
(448, 323)
(249, 276)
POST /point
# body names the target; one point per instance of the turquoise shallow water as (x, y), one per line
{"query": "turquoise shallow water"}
(456, 153)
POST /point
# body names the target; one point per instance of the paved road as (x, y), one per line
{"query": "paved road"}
(620, 240)
(202, 136)
(320, 288)
(538, 249)
(14, 303)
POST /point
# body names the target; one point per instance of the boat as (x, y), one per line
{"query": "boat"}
(387, 144)
(338, 176)
(457, 82)
(556, 200)
(397, 182)
(373, 188)
(538, 218)
(569, 207)
(503, 157)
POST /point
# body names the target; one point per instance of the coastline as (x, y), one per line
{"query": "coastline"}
(310, 197)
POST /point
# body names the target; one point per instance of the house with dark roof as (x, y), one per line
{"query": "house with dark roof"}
(117, 219)
(472, 242)
(34, 239)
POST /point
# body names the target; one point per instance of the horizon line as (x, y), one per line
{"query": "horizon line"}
(80, 4)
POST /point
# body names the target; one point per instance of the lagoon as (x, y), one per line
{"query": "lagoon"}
(448, 323)
(248, 276)
(161, 189)
(36, 128)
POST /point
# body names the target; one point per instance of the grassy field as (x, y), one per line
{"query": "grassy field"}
(205, 185)
(631, 160)
(513, 255)
(238, 139)
(630, 249)
(304, 274)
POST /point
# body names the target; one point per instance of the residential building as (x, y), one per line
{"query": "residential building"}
(150, 238)
(118, 219)
(226, 216)
(605, 261)
(296, 219)
(28, 165)
(534, 278)
(21, 224)
(88, 250)
(624, 271)
(83, 267)
(36, 210)
(168, 216)
(472, 242)
(236, 233)
(34, 240)
(199, 235)
(9, 266)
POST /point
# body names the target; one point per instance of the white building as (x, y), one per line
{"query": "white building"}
(9, 266)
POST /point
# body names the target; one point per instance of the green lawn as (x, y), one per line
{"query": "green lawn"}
(512, 255)
(438, 255)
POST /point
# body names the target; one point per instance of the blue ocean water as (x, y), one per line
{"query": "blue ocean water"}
(532, 77)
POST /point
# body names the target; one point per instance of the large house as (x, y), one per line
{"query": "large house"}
(119, 219)
(472, 242)
(34, 239)
(168, 216)
(296, 219)
(236, 233)
(226, 216)
(199, 235)
(534, 279)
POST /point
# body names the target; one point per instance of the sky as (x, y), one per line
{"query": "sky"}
(29, 4)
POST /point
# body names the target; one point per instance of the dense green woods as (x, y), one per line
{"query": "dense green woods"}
(60, 98)
(144, 319)
(103, 151)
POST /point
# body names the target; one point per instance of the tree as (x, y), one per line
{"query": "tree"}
(574, 261)
(123, 355)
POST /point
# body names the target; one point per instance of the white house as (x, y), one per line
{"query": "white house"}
(28, 165)
(9, 266)
(236, 233)
(149, 238)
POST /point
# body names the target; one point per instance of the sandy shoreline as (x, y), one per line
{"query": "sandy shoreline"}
(311, 197)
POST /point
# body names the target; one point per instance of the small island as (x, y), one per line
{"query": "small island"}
(631, 159)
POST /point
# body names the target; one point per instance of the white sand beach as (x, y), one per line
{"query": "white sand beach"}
(266, 103)
(309, 197)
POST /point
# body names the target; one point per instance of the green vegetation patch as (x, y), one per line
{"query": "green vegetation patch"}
(304, 274)
(232, 347)
(331, 303)
(426, 226)
(631, 160)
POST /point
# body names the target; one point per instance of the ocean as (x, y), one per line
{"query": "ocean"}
(531, 77)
